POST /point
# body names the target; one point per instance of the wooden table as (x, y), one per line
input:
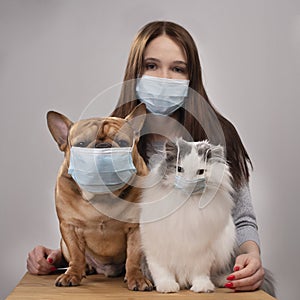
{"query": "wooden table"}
(100, 287)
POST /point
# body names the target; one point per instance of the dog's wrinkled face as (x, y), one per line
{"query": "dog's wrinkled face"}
(96, 132)
(110, 132)
(101, 133)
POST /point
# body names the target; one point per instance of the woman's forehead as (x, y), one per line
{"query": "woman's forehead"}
(163, 47)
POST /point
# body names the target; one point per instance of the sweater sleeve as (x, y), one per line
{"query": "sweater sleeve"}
(244, 216)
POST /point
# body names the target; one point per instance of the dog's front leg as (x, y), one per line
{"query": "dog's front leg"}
(74, 240)
(136, 281)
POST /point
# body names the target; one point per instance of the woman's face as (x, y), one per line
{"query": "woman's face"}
(164, 58)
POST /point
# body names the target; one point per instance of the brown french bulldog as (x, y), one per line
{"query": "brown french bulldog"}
(90, 237)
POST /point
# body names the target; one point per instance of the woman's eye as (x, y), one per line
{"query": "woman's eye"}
(178, 70)
(181, 70)
(200, 171)
(123, 143)
(150, 66)
(180, 169)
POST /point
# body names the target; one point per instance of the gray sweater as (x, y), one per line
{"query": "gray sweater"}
(244, 216)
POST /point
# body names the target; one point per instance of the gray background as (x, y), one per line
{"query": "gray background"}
(60, 54)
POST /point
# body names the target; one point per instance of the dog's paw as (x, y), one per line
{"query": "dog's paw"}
(68, 280)
(139, 283)
(202, 285)
(167, 286)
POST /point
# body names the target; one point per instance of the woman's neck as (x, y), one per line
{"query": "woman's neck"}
(163, 127)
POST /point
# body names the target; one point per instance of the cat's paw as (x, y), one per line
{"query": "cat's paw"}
(167, 286)
(202, 285)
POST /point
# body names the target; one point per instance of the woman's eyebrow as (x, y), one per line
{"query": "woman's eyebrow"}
(180, 62)
(157, 60)
(152, 59)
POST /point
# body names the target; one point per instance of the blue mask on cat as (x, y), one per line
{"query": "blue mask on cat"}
(162, 96)
(101, 170)
(192, 186)
(189, 186)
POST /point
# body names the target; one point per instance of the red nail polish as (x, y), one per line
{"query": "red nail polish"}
(53, 269)
(231, 277)
(50, 260)
(236, 268)
(229, 285)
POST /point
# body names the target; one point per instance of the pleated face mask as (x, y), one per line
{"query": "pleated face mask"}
(162, 96)
(190, 186)
(101, 170)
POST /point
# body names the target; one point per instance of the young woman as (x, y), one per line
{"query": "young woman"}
(164, 54)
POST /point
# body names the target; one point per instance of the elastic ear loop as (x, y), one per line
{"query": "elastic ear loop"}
(205, 160)
(204, 191)
(133, 141)
(177, 158)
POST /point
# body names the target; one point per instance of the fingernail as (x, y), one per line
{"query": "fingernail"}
(229, 285)
(231, 277)
(236, 268)
(53, 269)
(50, 260)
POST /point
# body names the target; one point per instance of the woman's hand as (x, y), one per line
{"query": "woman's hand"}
(42, 261)
(248, 272)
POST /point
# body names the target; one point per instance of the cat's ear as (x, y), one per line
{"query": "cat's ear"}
(171, 151)
(203, 147)
(215, 152)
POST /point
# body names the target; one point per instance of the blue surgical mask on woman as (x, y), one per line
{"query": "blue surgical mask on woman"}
(101, 170)
(162, 96)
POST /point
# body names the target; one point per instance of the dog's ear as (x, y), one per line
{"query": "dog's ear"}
(137, 118)
(59, 126)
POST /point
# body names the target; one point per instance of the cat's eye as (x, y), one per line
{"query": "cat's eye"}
(200, 172)
(180, 169)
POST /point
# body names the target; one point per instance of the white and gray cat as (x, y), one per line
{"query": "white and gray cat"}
(187, 231)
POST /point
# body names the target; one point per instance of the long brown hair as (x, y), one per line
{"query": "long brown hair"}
(194, 115)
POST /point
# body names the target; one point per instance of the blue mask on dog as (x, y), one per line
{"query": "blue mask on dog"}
(101, 170)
